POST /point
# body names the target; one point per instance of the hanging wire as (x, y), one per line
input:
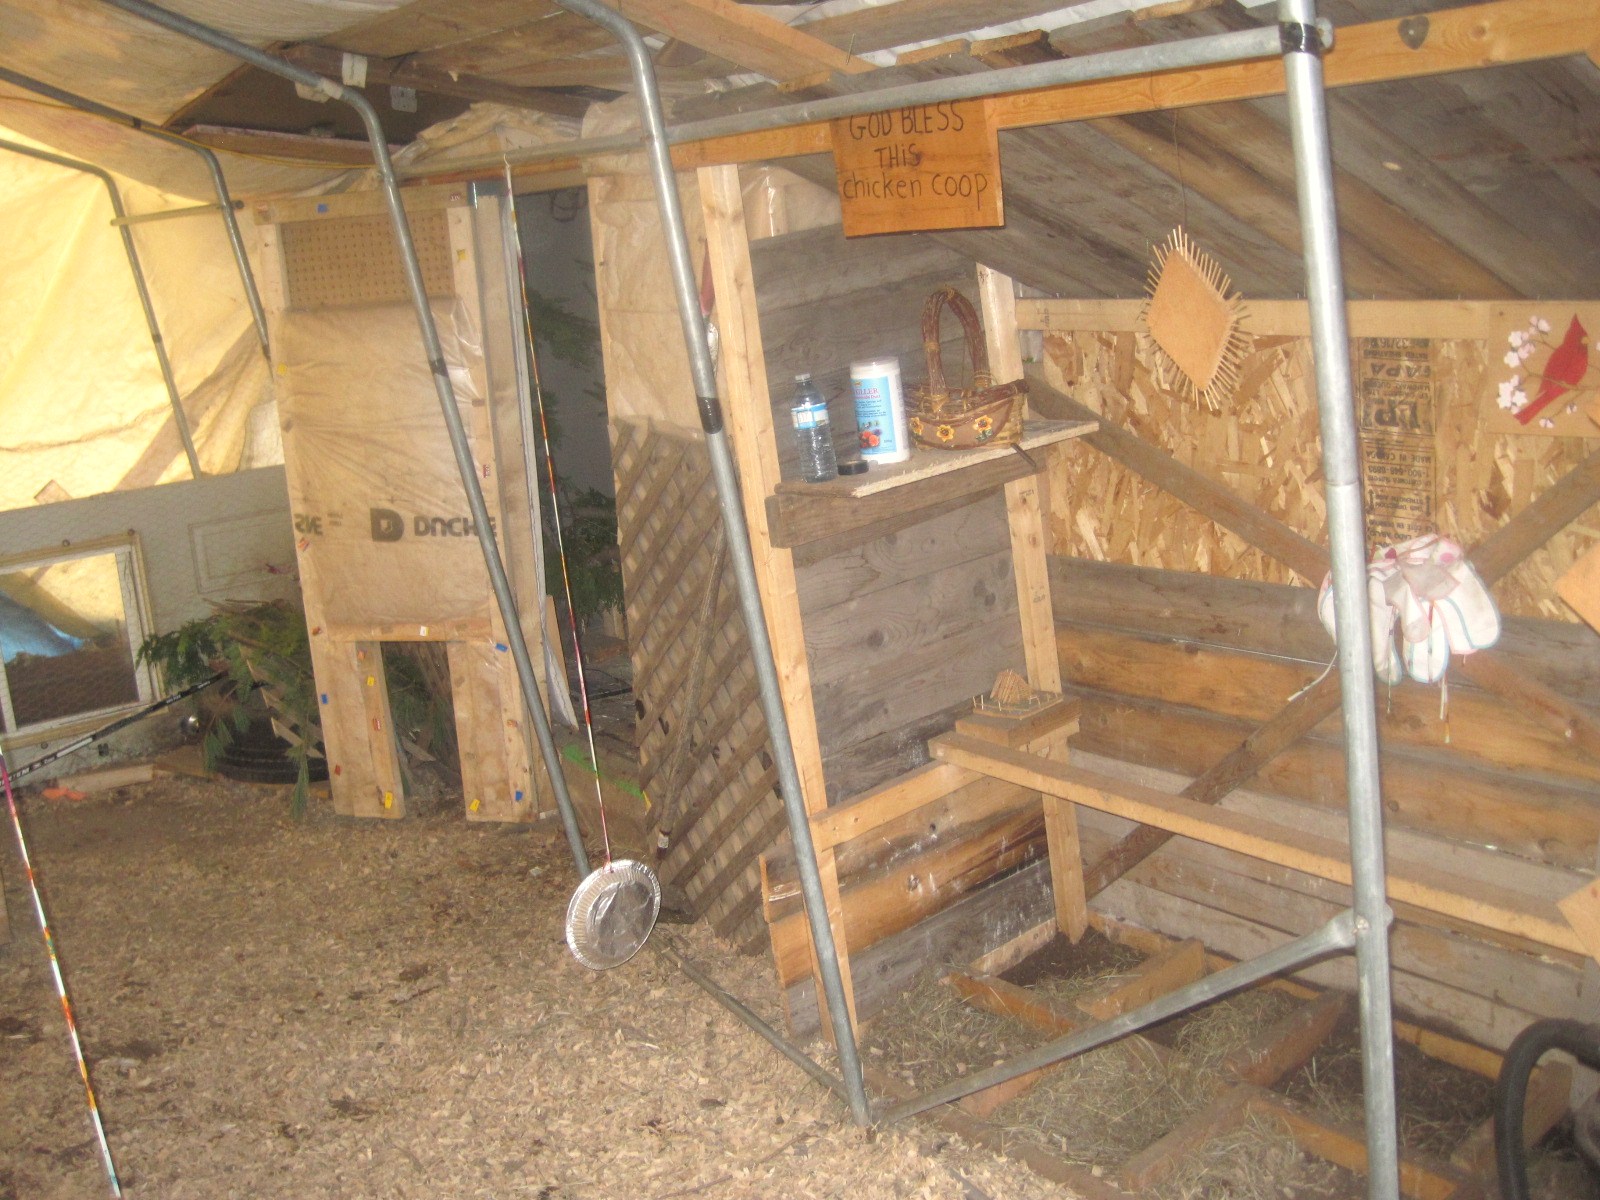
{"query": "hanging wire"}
(1183, 184)
(61, 984)
(555, 507)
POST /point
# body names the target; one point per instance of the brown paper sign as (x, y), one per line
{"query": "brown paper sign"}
(930, 166)
(1395, 402)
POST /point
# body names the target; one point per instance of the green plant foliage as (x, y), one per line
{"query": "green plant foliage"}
(266, 652)
(562, 332)
(594, 566)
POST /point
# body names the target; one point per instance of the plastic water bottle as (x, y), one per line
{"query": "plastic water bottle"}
(812, 432)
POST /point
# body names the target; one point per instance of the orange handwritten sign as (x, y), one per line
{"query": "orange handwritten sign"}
(930, 166)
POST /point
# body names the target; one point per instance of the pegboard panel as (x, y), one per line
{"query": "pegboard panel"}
(354, 261)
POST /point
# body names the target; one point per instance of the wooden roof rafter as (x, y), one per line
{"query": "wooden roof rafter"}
(1498, 33)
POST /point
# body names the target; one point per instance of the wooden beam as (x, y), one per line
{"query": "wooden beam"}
(896, 897)
(403, 72)
(1278, 318)
(751, 39)
(1533, 699)
(1231, 155)
(1574, 494)
(1297, 718)
(744, 381)
(1429, 888)
(1287, 1043)
(1461, 39)
(1177, 966)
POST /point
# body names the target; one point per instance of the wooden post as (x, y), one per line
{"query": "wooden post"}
(748, 409)
(1030, 548)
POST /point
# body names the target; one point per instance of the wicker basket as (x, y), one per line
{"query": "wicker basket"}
(946, 418)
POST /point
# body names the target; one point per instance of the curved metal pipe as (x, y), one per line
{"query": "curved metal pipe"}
(72, 164)
(459, 445)
(218, 181)
(739, 554)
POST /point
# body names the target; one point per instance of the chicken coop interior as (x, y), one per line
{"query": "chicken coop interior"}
(869, 598)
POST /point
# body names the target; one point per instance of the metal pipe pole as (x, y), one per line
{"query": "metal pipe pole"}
(180, 417)
(1303, 45)
(1337, 934)
(166, 214)
(741, 1010)
(738, 535)
(459, 445)
(1111, 64)
(219, 182)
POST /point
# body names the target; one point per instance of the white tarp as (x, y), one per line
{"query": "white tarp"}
(82, 402)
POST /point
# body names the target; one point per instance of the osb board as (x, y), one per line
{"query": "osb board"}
(1264, 444)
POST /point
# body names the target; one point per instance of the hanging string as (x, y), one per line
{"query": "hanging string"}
(555, 507)
(61, 985)
(1183, 184)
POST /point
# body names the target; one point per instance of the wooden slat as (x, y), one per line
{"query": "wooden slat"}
(1159, 1159)
(1424, 886)
(1289, 1042)
(1445, 319)
(1215, 500)
(1347, 1147)
(1499, 553)
(744, 35)
(796, 519)
(750, 431)
(1177, 965)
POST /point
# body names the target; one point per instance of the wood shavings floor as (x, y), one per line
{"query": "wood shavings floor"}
(328, 1008)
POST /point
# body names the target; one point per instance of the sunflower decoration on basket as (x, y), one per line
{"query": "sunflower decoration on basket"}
(962, 418)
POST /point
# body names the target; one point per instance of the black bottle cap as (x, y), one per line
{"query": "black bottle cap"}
(853, 466)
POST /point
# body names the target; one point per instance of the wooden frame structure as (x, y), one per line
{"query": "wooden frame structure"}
(502, 779)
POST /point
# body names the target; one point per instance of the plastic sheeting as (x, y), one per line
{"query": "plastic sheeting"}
(120, 60)
(82, 404)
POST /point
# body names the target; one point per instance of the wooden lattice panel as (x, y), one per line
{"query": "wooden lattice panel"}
(724, 810)
(350, 261)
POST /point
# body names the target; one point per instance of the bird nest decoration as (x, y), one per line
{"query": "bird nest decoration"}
(1193, 322)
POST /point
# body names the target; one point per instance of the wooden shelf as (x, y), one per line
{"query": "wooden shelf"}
(932, 464)
(829, 516)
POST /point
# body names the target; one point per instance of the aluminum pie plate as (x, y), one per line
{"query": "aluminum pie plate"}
(611, 914)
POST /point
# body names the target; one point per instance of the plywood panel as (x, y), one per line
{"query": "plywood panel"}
(1264, 445)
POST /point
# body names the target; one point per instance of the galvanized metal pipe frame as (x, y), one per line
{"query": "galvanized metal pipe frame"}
(738, 1008)
(726, 476)
(219, 181)
(1112, 64)
(1341, 468)
(1300, 38)
(459, 445)
(180, 417)
(1338, 934)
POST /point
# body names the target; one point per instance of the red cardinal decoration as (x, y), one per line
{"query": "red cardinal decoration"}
(1567, 366)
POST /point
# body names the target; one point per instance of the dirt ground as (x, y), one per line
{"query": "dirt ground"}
(328, 1008)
